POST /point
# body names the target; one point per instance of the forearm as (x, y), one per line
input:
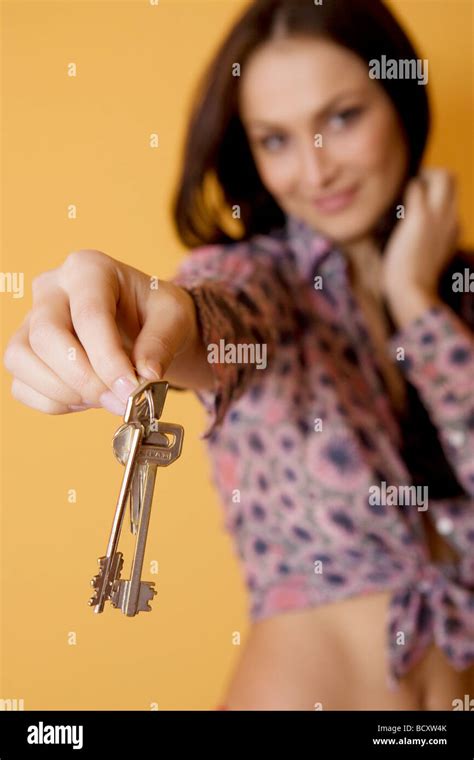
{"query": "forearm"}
(242, 298)
(191, 368)
(438, 360)
(407, 304)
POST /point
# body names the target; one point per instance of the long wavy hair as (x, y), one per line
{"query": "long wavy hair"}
(218, 170)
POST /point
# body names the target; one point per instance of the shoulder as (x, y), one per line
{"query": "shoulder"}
(272, 243)
(236, 256)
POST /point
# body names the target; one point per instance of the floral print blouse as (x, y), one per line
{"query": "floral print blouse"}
(309, 456)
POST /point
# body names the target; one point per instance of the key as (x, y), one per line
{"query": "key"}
(136, 499)
(127, 439)
(133, 595)
(141, 444)
(138, 489)
(111, 564)
(145, 409)
(121, 447)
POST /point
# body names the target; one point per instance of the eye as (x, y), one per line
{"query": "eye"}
(272, 142)
(345, 117)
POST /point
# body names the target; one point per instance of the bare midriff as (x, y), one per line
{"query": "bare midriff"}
(334, 657)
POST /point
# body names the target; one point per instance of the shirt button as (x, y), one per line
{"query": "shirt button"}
(444, 526)
(456, 438)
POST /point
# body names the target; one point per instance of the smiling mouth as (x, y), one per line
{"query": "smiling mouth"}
(336, 201)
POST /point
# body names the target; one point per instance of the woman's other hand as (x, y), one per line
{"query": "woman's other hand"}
(421, 245)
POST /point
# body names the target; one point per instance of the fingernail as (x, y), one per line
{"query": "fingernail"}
(123, 388)
(81, 407)
(150, 371)
(110, 402)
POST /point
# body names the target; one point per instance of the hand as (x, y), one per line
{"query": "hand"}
(93, 320)
(423, 242)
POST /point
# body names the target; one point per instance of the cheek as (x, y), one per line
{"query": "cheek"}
(377, 147)
(277, 173)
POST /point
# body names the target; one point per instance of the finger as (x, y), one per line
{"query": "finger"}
(35, 400)
(440, 188)
(93, 315)
(162, 336)
(21, 361)
(52, 340)
(414, 198)
(443, 200)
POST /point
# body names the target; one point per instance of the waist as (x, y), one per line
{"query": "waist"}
(339, 650)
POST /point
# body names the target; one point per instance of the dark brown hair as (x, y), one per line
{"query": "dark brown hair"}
(216, 147)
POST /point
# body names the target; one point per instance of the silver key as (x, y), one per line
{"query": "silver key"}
(138, 489)
(121, 448)
(141, 444)
(136, 499)
(133, 595)
(126, 444)
(145, 408)
(111, 564)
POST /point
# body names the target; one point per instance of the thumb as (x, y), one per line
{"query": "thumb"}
(163, 335)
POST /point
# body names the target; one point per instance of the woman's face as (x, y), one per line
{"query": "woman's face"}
(293, 90)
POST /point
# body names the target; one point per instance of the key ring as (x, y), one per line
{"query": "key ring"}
(154, 396)
(151, 405)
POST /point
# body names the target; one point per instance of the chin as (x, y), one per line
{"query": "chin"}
(344, 228)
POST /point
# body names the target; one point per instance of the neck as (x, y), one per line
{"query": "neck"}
(365, 264)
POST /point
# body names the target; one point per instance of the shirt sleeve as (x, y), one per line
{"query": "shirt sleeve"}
(241, 298)
(436, 354)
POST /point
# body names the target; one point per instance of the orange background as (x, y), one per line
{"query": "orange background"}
(85, 141)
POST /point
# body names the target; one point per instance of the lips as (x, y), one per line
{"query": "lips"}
(336, 201)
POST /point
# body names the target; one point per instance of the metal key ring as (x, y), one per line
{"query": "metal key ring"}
(151, 405)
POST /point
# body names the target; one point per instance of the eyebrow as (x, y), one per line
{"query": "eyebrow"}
(318, 113)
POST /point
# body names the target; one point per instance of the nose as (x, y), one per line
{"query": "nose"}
(317, 169)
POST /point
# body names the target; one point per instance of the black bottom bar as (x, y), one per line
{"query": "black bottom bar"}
(62, 734)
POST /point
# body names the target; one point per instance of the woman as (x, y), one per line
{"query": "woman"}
(343, 446)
